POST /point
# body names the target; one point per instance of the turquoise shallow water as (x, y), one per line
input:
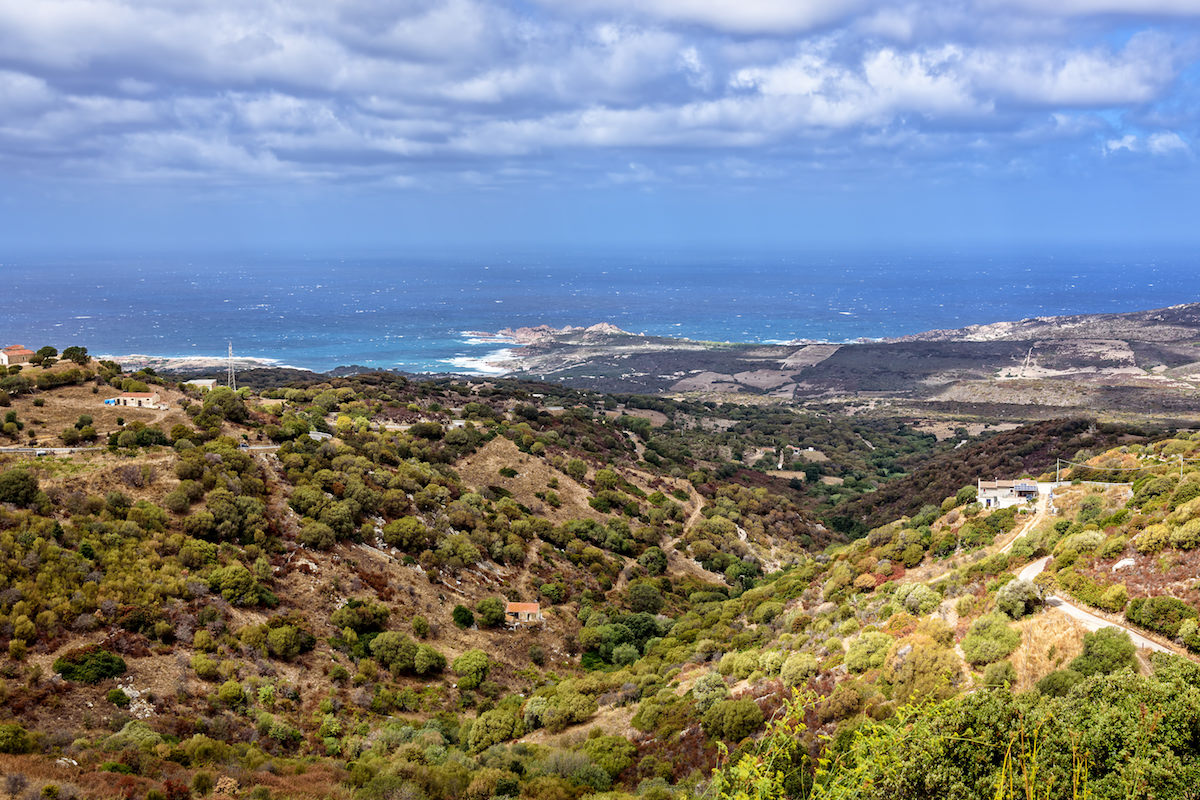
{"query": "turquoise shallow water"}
(412, 311)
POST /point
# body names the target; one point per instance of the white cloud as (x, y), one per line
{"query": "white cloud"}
(310, 88)
(769, 17)
(1094, 77)
(1166, 143)
(1160, 143)
(1127, 142)
(1082, 7)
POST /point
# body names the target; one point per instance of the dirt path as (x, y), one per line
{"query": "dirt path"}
(1039, 514)
(677, 561)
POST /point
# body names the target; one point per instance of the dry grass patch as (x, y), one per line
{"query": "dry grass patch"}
(482, 468)
(1049, 642)
(64, 405)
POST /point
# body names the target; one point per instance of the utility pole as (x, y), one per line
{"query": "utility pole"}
(232, 378)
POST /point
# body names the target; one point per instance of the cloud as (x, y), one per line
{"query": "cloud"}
(1139, 8)
(767, 17)
(1160, 143)
(364, 90)
(1166, 143)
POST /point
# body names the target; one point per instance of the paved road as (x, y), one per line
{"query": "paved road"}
(66, 451)
(52, 451)
(1089, 620)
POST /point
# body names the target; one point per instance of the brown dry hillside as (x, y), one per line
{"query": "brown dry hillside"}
(482, 469)
(63, 406)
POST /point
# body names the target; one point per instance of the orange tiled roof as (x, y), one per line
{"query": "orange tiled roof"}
(140, 395)
(520, 608)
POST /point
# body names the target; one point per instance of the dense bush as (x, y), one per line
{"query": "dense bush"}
(471, 668)
(732, 720)
(990, 639)
(1018, 598)
(1104, 651)
(1162, 614)
(89, 664)
(18, 487)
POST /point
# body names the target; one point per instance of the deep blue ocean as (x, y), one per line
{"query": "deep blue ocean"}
(411, 311)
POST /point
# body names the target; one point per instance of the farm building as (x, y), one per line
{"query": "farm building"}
(203, 384)
(523, 612)
(15, 354)
(136, 400)
(1002, 494)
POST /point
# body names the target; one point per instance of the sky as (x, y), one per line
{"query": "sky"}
(377, 125)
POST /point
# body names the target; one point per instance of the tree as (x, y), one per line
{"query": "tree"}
(18, 487)
(45, 356)
(1104, 652)
(492, 727)
(462, 616)
(471, 668)
(1018, 598)
(733, 720)
(989, 639)
(654, 560)
(709, 689)
(428, 660)
(490, 612)
(645, 597)
(77, 354)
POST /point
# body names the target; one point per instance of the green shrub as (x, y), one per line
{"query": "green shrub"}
(231, 693)
(1058, 684)
(1187, 535)
(490, 612)
(428, 660)
(89, 664)
(1104, 652)
(1001, 673)
(868, 651)
(18, 487)
(462, 616)
(1161, 614)
(287, 642)
(471, 668)
(1114, 598)
(492, 727)
(798, 668)
(118, 698)
(990, 639)
(1152, 539)
(15, 740)
(732, 720)
(1018, 598)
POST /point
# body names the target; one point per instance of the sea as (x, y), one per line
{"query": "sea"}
(420, 312)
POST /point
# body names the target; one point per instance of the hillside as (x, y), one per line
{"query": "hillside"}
(300, 591)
